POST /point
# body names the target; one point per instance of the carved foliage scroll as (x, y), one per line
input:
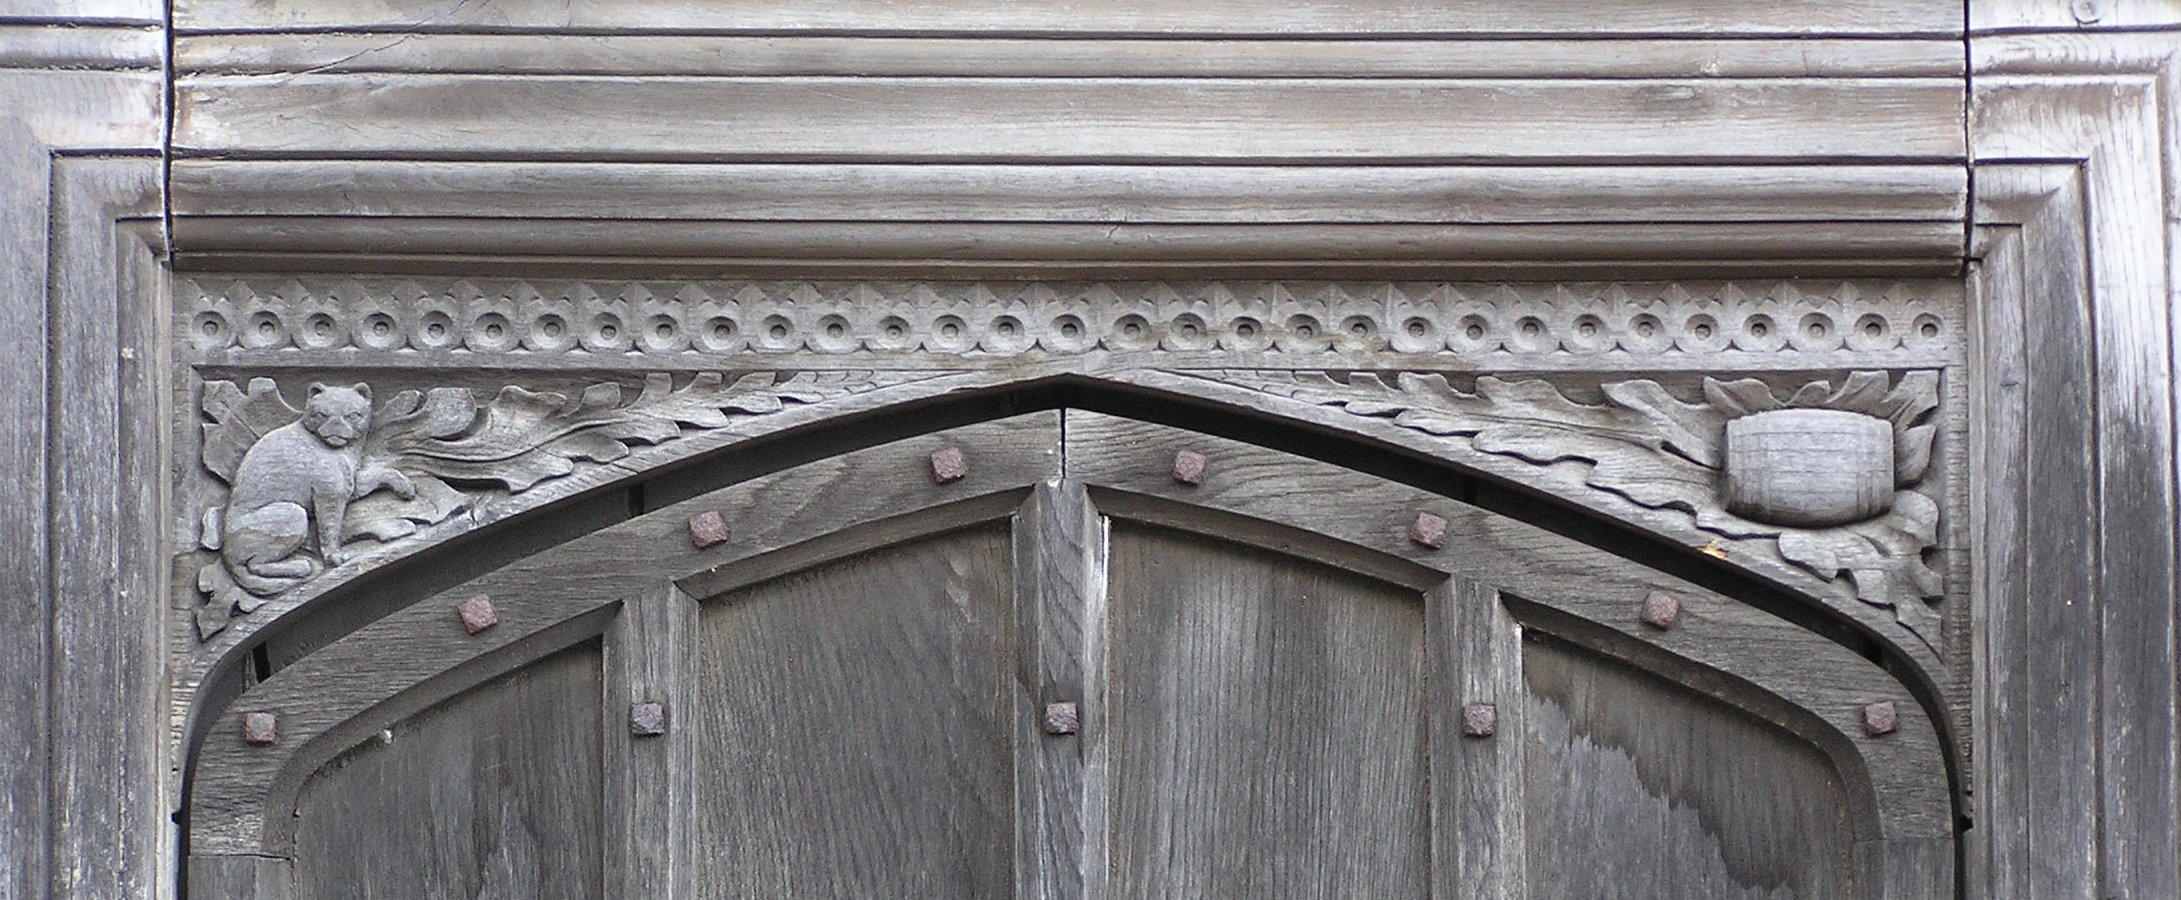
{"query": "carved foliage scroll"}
(1829, 477)
(303, 483)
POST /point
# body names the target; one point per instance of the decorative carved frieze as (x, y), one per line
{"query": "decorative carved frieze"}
(303, 484)
(1806, 449)
(1829, 477)
(588, 319)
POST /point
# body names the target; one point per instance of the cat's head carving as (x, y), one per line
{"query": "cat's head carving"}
(338, 415)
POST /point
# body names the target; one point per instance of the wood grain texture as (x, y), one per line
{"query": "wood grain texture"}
(107, 771)
(25, 625)
(1670, 526)
(1110, 120)
(627, 55)
(74, 46)
(649, 657)
(1640, 789)
(1238, 17)
(241, 877)
(344, 691)
(1800, 678)
(1059, 545)
(1479, 833)
(857, 727)
(1266, 725)
(1071, 193)
(2000, 16)
(492, 794)
(2001, 513)
(984, 250)
(2101, 439)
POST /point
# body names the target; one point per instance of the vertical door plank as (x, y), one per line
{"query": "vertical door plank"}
(650, 778)
(1059, 591)
(1266, 724)
(1477, 782)
(856, 726)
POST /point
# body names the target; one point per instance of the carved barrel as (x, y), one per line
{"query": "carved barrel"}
(1809, 467)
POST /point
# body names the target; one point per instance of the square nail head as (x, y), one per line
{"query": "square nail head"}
(647, 718)
(1189, 467)
(948, 466)
(707, 529)
(260, 729)
(1428, 530)
(1880, 719)
(1661, 610)
(477, 614)
(1480, 720)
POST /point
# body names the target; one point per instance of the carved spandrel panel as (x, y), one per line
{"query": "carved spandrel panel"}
(1805, 426)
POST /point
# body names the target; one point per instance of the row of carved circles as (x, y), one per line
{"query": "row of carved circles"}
(489, 326)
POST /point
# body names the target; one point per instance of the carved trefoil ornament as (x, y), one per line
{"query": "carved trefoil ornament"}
(304, 484)
(1829, 477)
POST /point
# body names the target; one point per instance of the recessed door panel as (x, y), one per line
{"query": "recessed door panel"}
(855, 730)
(1638, 788)
(494, 793)
(1265, 725)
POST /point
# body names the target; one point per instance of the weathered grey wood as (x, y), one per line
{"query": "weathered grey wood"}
(857, 723)
(2001, 510)
(1350, 17)
(1266, 724)
(1059, 605)
(953, 251)
(1640, 789)
(86, 12)
(76, 46)
(1071, 193)
(2091, 244)
(565, 54)
(650, 791)
(1807, 682)
(1910, 651)
(418, 655)
(1478, 833)
(1997, 16)
(107, 773)
(25, 624)
(241, 877)
(855, 119)
(491, 794)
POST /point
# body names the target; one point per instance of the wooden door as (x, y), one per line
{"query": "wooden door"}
(1114, 659)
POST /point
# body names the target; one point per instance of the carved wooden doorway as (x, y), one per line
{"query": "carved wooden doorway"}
(1072, 654)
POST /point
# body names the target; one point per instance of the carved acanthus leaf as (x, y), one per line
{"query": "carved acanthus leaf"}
(1662, 452)
(451, 451)
(523, 437)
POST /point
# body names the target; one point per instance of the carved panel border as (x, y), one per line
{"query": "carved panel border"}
(281, 319)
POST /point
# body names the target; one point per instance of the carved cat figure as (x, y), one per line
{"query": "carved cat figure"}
(297, 476)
